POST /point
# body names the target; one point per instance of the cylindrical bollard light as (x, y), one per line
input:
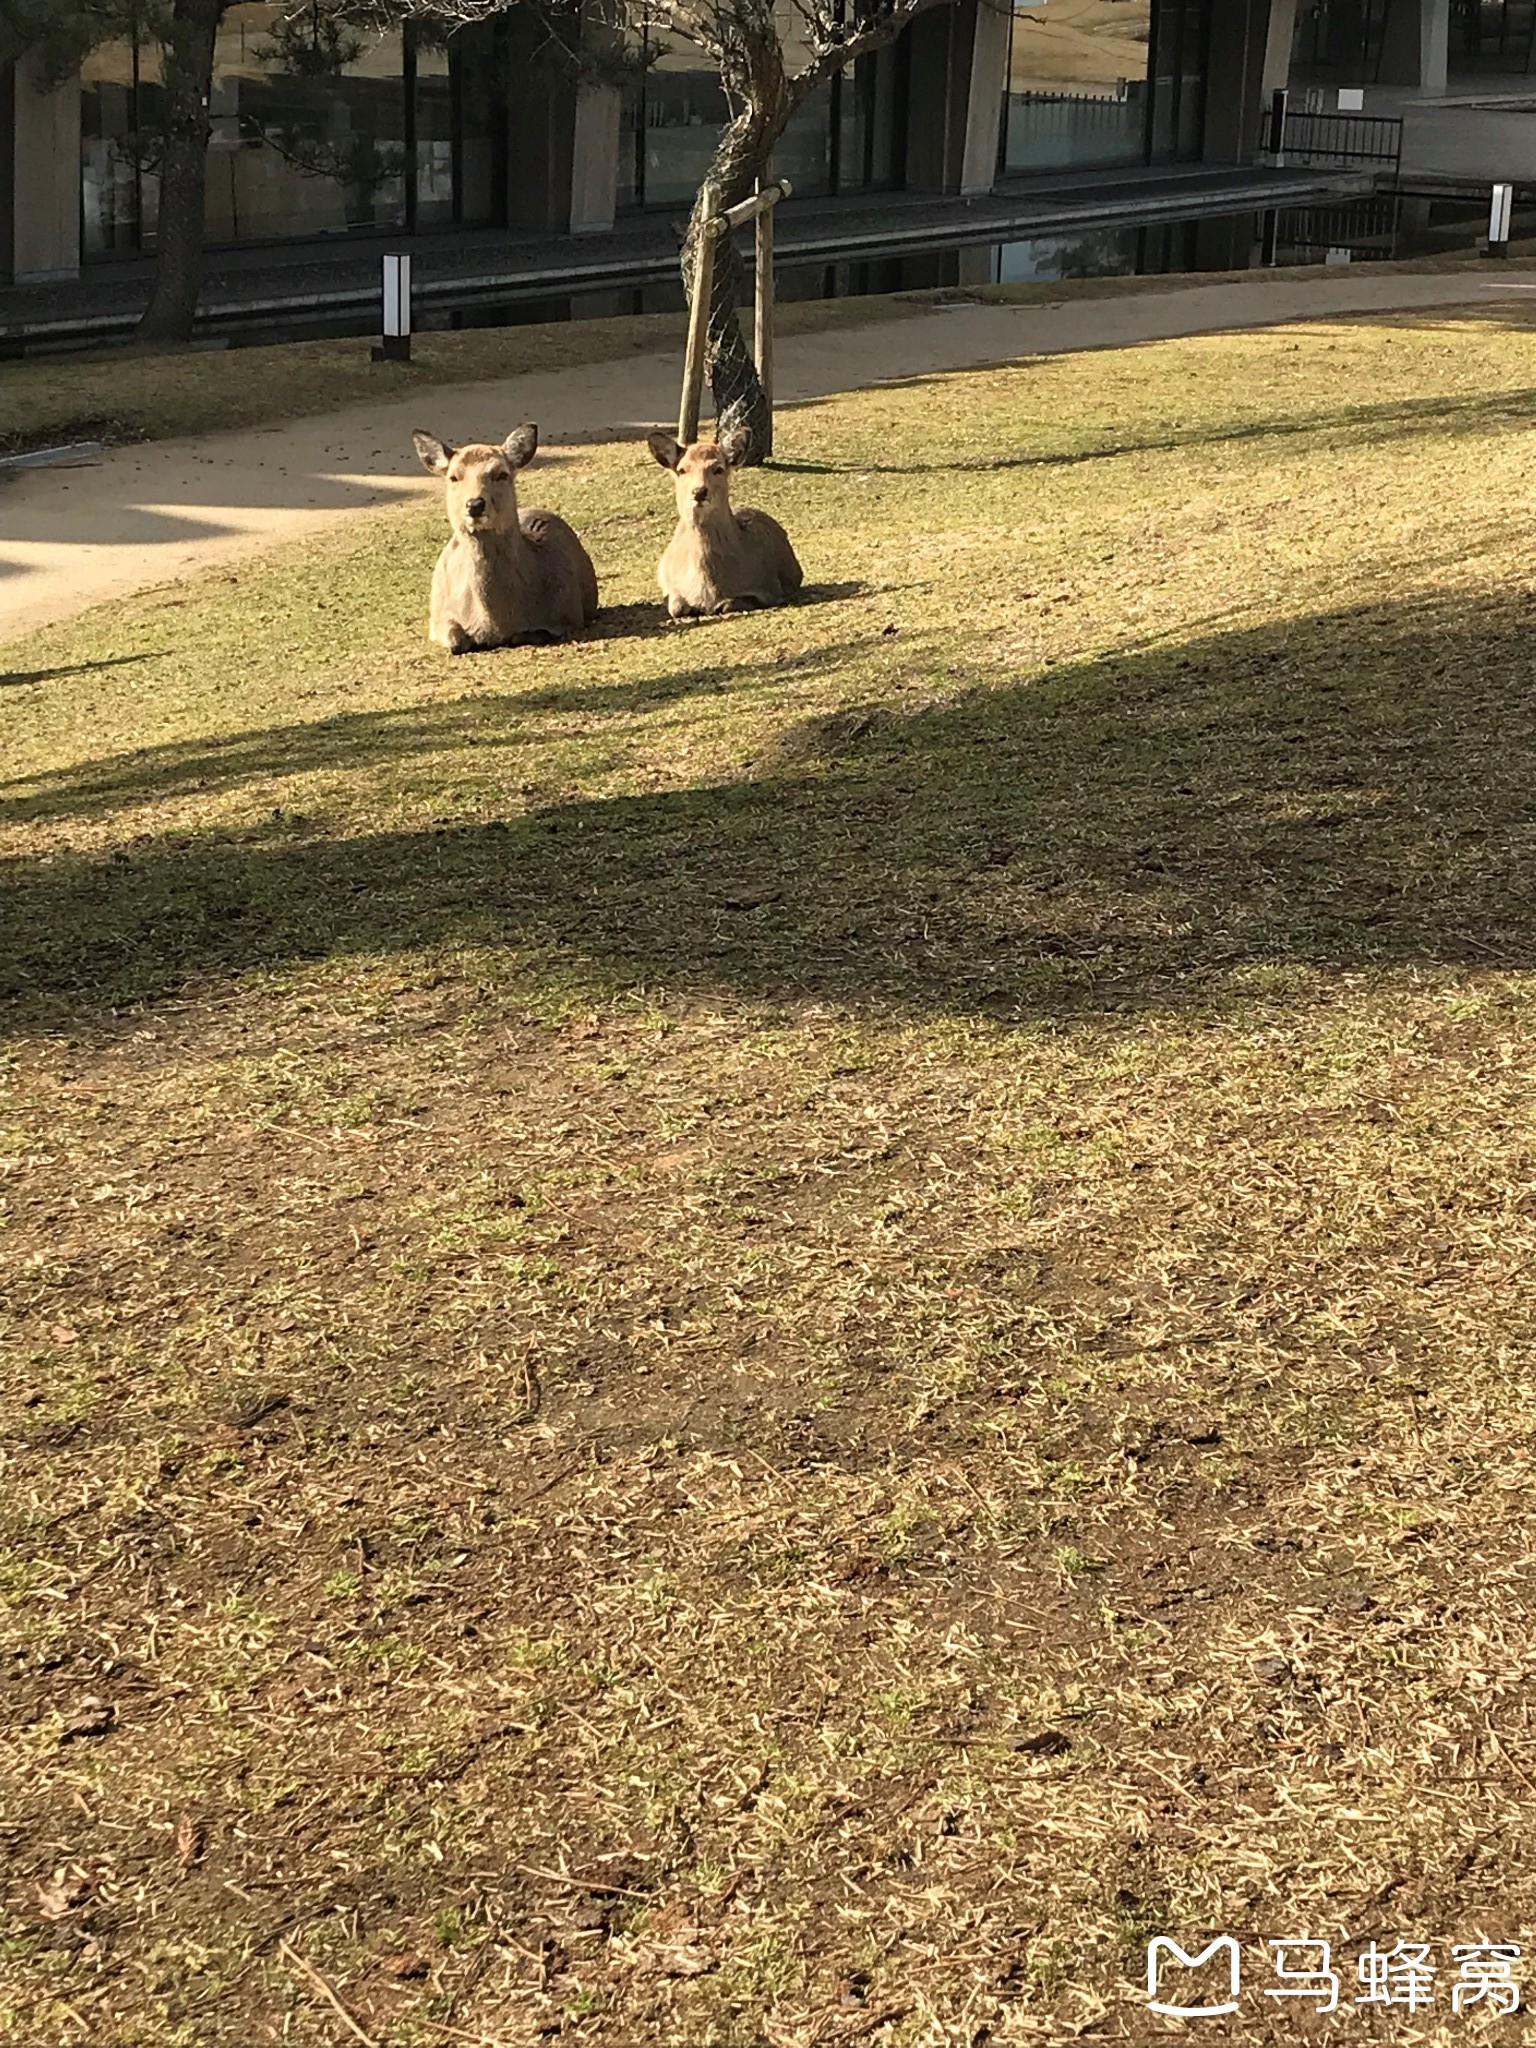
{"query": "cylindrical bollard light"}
(1279, 107)
(397, 311)
(1498, 219)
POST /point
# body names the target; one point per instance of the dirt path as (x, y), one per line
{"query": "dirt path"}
(72, 538)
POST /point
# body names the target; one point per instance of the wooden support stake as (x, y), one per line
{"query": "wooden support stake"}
(762, 337)
(758, 209)
(698, 334)
(749, 209)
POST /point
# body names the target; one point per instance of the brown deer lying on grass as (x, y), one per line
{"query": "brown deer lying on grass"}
(719, 560)
(505, 576)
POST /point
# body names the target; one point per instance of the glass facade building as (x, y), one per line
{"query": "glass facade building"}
(1347, 42)
(332, 131)
(845, 138)
(313, 133)
(1095, 84)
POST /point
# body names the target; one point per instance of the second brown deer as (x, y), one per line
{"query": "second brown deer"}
(719, 559)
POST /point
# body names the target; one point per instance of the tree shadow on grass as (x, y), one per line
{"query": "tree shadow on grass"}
(1355, 790)
(12, 679)
(1392, 419)
(498, 716)
(652, 621)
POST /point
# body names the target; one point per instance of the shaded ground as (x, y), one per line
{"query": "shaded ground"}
(776, 1333)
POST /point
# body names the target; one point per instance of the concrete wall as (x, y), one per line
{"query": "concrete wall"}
(540, 133)
(40, 190)
(1279, 37)
(1234, 93)
(958, 69)
(1415, 44)
(988, 66)
(594, 160)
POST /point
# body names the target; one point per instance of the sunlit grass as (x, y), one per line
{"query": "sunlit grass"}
(739, 1330)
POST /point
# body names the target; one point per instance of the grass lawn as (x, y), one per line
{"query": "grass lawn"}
(774, 1333)
(120, 395)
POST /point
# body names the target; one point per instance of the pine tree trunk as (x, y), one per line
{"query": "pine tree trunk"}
(179, 234)
(745, 149)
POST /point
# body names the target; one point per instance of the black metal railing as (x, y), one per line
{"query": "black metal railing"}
(1373, 141)
(1343, 139)
(1366, 229)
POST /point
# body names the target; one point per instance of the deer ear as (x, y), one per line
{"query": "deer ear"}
(734, 446)
(521, 445)
(665, 448)
(435, 455)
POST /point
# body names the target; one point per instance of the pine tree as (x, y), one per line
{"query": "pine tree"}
(188, 42)
(59, 35)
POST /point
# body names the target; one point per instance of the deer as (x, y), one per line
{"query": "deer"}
(719, 559)
(505, 577)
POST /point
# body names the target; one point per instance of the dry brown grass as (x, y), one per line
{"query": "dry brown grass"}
(772, 1334)
(1080, 45)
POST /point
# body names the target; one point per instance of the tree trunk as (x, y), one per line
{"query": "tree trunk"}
(183, 173)
(746, 147)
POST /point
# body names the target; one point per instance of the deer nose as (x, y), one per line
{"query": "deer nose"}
(701, 494)
(475, 507)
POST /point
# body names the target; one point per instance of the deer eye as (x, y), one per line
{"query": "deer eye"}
(715, 469)
(498, 476)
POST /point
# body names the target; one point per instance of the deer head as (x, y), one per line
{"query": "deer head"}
(701, 472)
(480, 478)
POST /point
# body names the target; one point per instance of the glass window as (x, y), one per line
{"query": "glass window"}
(682, 112)
(1077, 83)
(869, 129)
(1493, 35)
(672, 119)
(120, 107)
(309, 132)
(1178, 81)
(804, 152)
(1335, 37)
(308, 120)
(434, 206)
(480, 90)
